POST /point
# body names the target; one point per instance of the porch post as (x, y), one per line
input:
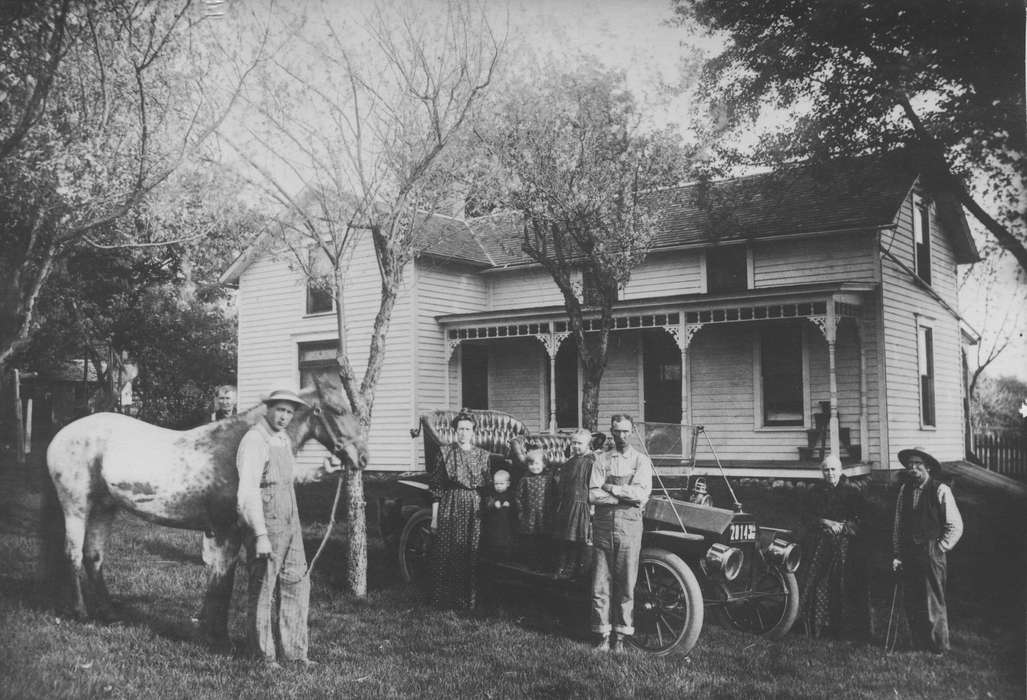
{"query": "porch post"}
(828, 325)
(864, 428)
(552, 392)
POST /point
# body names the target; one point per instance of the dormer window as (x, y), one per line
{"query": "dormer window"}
(922, 237)
(727, 269)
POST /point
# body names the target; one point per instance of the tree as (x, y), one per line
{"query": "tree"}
(854, 77)
(569, 156)
(370, 142)
(102, 101)
(997, 403)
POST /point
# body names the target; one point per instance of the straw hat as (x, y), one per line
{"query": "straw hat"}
(284, 395)
(930, 462)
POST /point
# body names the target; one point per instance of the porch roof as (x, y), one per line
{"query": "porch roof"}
(847, 292)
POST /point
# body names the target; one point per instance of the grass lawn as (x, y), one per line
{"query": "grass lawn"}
(392, 645)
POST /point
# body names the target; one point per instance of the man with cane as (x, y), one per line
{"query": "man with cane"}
(927, 525)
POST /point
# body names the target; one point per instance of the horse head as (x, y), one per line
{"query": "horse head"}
(331, 422)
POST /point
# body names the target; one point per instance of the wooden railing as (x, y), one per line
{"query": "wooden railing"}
(1003, 453)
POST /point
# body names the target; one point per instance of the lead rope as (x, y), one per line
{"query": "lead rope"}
(337, 441)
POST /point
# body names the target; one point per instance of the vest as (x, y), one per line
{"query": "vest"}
(925, 523)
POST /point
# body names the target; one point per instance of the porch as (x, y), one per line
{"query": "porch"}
(778, 377)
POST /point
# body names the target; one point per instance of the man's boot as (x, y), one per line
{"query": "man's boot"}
(603, 644)
(617, 643)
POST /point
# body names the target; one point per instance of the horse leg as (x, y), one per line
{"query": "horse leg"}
(98, 528)
(220, 554)
(74, 538)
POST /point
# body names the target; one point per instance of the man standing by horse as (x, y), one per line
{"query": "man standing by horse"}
(274, 542)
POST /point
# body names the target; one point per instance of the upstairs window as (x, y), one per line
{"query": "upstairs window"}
(925, 360)
(727, 269)
(922, 237)
(320, 299)
(591, 292)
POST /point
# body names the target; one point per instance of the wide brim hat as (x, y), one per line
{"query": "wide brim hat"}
(930, 462)
(284, 395)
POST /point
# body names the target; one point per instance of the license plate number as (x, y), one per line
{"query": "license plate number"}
(743, 532)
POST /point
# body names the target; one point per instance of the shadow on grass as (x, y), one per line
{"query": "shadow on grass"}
(170, 552)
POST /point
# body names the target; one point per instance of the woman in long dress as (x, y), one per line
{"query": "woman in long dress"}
(835, 598)
(457, 486)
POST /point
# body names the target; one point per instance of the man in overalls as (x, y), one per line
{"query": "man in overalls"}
(274, 543)
(620, 485)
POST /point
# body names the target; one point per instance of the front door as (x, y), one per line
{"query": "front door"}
(661, 372)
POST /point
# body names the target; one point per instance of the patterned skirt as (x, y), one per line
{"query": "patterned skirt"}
(454, 556)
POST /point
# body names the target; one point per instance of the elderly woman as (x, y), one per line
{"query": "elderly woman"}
(834, 596)
(457, 485)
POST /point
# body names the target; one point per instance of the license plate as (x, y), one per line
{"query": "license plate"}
(743, 532)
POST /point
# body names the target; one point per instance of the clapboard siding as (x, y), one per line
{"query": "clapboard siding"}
(834, 258)
(663, 274)
(441, 288)
(272, 323)
(523, 288)
(621, 388)
(905, 305)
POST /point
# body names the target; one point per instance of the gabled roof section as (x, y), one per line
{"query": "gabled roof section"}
(450, 238)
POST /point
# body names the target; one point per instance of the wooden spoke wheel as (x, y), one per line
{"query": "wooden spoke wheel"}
(668, 604)
(768, 608)
(415, 548)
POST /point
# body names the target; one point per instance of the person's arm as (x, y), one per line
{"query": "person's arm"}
(597, 493)
(435, 480)
(953, 529)
(250, 460)
(637, 492)
(857, 504)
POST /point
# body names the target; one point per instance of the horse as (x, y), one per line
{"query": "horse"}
(107, 462)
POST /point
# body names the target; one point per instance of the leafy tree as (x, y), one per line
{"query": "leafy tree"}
(853, 77)
(102, 100)
(372, 145)
(996, 404)
(568, 154)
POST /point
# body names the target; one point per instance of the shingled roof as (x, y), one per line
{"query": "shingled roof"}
(857, 193)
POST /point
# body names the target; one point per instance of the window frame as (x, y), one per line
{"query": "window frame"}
(759, 407)
(313, 292)
(747, 277)
(331, 344)
(922, 248)
(927, 401)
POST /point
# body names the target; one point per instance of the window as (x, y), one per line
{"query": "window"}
(317, 359)
(727, 269)
(781, 362)
(922, 237)
(925, 360)
(319, 283)
(567, 403)
(591, 292)
(661, 377)
(474, 375)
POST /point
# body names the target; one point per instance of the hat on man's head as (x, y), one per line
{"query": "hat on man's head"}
(930, 462)
(284, 395)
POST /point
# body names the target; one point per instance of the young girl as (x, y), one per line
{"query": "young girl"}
(534, 502)
(571, 521)
(497, 517)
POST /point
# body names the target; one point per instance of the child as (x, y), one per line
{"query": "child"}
(496, 517)
(571, 521)
(533, 499)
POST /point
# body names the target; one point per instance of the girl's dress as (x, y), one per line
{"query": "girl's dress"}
(534, 503)
(572, 518)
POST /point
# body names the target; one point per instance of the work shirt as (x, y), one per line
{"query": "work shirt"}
(952, 528)
(631, 464)
(253, 456)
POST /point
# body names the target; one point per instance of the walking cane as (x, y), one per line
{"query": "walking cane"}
(891, 636)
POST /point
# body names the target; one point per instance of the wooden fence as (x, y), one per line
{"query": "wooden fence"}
(1003, 453)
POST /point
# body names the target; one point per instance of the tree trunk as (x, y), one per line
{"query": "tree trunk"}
(356, 534)
(590, 400)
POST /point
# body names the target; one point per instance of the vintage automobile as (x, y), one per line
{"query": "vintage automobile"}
(695, 557)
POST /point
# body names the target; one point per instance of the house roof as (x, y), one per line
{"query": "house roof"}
(847, 194)
(843, 195)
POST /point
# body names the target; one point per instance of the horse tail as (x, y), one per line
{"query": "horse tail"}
(53, 562)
